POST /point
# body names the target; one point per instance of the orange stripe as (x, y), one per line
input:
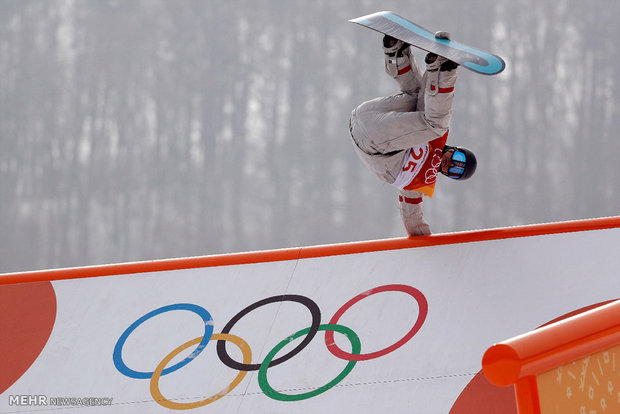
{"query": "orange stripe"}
(404, 70)
(443, 90)
(410, 200)
(311, 252)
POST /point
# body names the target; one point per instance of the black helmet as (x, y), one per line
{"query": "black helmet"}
(464, 163)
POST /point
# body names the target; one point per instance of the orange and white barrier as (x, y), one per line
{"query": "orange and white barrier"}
(392, 325)
(572, 365)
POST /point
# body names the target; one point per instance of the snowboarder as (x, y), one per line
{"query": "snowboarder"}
(402, 138)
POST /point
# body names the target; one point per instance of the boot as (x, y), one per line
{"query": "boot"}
(398, 59)
(393, 47)
(434, 62)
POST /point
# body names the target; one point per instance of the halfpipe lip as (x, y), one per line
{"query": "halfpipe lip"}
(310, 251)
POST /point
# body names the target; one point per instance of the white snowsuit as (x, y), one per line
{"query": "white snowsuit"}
(384, 130)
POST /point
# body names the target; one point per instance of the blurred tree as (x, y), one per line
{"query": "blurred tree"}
(144, 129)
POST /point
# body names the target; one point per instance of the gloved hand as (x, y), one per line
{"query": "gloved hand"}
(413, 216)
(421, 229)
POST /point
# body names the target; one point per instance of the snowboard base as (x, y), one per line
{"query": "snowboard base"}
(391, 24)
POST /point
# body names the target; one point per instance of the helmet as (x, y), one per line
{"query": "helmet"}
(464, 163)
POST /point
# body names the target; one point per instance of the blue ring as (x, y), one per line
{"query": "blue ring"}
(118, 348)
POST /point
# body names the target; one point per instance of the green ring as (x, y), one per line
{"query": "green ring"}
(262, 372)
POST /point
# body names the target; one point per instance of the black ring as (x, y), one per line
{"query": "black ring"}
(314, 328)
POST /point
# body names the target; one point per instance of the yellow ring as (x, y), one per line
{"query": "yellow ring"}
(163, 401)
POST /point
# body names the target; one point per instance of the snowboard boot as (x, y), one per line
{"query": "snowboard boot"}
(393, 47)
(436, 64)
(398, 57)
(433, 61)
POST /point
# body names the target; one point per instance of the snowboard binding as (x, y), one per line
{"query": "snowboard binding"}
(394, 47)
(433, 60)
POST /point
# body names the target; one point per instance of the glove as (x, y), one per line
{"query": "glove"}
(413, 216)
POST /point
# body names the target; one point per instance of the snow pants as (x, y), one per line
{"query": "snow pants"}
(383, 129)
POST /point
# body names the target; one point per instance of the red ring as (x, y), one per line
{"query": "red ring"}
(417, 295)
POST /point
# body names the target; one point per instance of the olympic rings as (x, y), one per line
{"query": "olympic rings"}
(262, 373)
(118, 349)
(307, 302)
(417, 295)
(269, 360)
(163, 401)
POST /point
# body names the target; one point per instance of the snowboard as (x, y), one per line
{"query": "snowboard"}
(400, 28)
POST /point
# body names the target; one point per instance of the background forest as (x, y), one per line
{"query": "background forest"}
(146, 129)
